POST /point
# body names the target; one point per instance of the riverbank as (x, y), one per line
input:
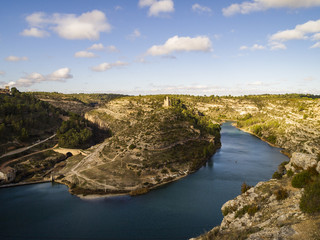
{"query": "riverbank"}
(137, 192)
(196, 198)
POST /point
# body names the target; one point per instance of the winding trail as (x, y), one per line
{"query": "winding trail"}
(20, 150)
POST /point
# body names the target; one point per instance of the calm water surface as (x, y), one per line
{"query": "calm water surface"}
(179, 210)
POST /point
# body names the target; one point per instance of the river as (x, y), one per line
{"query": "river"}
(179, 210)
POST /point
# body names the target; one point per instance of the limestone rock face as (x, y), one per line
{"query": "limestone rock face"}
(258, 214)
(318, 167)
(302, 160)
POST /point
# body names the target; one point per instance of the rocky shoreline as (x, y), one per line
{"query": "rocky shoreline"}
(270, 210)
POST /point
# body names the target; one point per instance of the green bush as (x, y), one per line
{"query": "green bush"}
(245, 187)
(301, 179)
(281, 194)
(310, 200)
(132, 146)
(226, 211)
(277, 175)
(290, 173)
(272, 139)
(250, 209)
(257, 129)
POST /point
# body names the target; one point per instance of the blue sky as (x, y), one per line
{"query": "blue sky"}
(161, 46)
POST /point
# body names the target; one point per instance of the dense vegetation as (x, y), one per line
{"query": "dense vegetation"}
(77, 132)
(24, 117)
(310, 200)
(196, 118)
(309, 180)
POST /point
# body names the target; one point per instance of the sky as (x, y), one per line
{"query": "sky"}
(198, 47)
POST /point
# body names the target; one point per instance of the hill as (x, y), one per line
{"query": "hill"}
(150, 145)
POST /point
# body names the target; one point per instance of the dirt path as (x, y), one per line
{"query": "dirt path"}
(3, 165)
(20, 150)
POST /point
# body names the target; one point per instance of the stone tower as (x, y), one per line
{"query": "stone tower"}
(167, 102)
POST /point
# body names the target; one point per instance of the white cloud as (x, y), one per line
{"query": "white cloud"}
(135, 34)
(316, 45)
(101, 47)
(262, 5)
(253, 47)
(112, 48)
(316, 37)
(287, 35)
(106, 66)
(257, 47)
(16, 59)
(117, 8)
(34, 32)
(97, 46)
(181, 44)
(88, 25)
(37, 19)
(277, 46)
(256, 83)
(2, 73)
(84, 54)
(201, 9)
(60, 75)
(301, 31)
(157, 6)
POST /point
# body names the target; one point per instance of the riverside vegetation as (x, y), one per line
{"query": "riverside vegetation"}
(146, 145)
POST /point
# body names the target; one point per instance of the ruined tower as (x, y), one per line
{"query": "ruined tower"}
(167, 102)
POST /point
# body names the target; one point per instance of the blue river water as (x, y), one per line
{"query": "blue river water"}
(179, 210)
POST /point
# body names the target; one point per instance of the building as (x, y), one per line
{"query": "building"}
(5, 90)
(167, 102)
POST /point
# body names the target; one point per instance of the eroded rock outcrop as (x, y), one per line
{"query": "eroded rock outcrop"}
(303, 161)
(270, 210)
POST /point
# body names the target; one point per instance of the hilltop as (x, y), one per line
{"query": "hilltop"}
(150, 145)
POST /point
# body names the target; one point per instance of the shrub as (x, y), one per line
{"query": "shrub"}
(281, 194)
(290, 173)
(164, 171)
(245, 187)
(301, 179)
(272, 139)
(310, 200)
(226, 211)
(242, 211)
(281, 167)
(277, 175)
(257, 129)
(250, 209)
(132, 146)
